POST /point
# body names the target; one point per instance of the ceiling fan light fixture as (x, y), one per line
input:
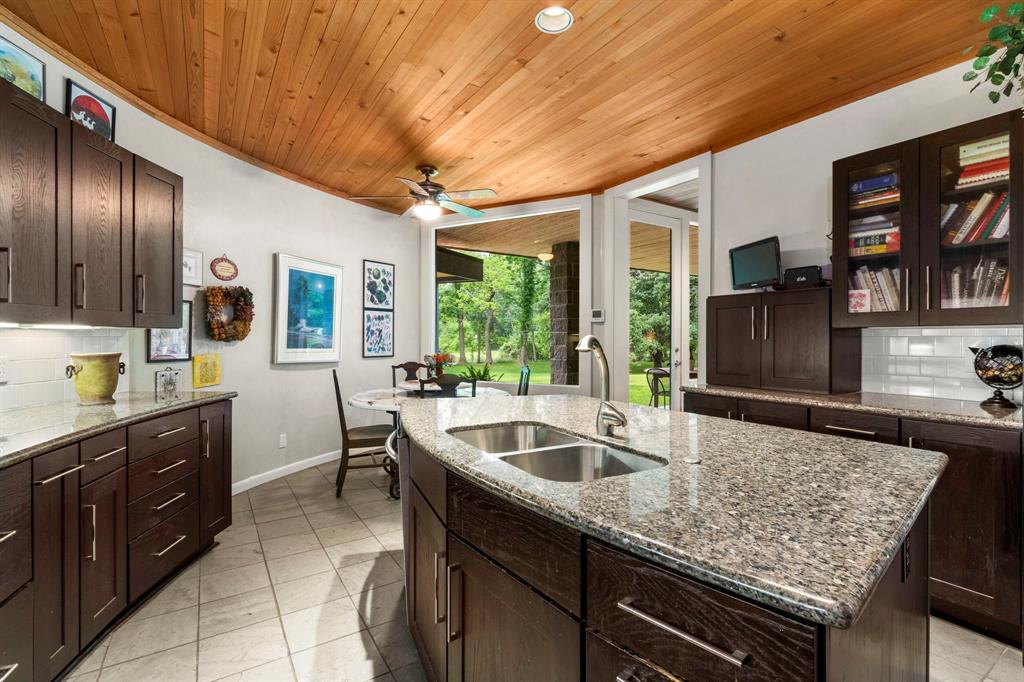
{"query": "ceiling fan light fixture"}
(427, 209)
(546, 256)
(553, 20)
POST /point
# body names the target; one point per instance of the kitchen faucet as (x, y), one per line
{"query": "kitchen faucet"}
(608, 416)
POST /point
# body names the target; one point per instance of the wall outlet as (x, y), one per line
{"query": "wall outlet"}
(282, 440)
(3, 369)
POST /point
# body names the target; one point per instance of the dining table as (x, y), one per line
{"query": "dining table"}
(390, 399)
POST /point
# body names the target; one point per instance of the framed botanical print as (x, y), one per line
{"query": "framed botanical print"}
(89, 109)
(22, 69)
(378, 334)
(307, 310)
(378, 285)
(171, 345)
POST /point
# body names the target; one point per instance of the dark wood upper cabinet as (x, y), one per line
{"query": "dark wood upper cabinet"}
(104, 552)
(101, 235)
(733, 332)
(35, 210)
(214, 470)
(55, 554)
(966, 272)
(427, 599)
(158, 235)
(975, 524)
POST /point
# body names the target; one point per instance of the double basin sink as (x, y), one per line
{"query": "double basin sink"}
(548, 453)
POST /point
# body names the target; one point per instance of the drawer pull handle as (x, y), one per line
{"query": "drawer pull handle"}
(453, 634)
(113, 452)
(59, 474)
(438, 618)
(92, 508)
(7, 670)
(171, 546)
(737, 657)
(164, 434)
(847, 429)
(167, 468)
(169, 502)
(7, 536)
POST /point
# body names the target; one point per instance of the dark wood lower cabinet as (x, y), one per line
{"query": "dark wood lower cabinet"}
(427, 563)
(734, 338)
(104, 552)
(500, 630)
(773, 414)
(55, 547)
(16, 662)
(214, 470)
(710, 405)
(873, 427)
(607, 662)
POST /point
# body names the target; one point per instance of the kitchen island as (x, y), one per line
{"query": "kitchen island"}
(739, 551)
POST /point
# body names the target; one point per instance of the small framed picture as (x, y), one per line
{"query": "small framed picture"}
(378, 334)
(22, 69)
(90, 110)
(206, 370)
(167, 384)
(378, 285)
(192, 268)
(171, 345)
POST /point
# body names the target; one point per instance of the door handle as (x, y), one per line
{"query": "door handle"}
(140, 293)
(206, 438)
(753, 332)
(167, 468)
(737, 658)
(8, 280)
(906, 289)
(847, 429)
(60, 474)
(453, 634)
(92, 554)
(80, 285)
(765, 330)
(169, 502)
(927, 287)
(7, 536)
(171, 546)
(438, 618)
(7, 671)
(164, 434)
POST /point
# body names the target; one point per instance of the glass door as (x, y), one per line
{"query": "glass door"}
(875, 238)
(969, 219)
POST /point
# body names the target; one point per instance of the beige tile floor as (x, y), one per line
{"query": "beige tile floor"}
(307, 587)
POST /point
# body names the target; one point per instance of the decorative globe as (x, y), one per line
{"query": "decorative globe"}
(1000, 367)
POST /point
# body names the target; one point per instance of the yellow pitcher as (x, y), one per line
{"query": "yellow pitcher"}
(95, 376)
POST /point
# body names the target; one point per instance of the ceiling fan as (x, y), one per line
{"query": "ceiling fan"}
(431, 197)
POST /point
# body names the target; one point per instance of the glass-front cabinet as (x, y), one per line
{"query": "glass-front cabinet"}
(875, 254)
(970, 218)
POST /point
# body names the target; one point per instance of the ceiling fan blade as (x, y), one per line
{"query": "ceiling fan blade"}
(414, 186)
(393, 196)
(472, 194)
(459, 208)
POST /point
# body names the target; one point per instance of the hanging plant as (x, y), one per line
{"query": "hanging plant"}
(224, 325)
(998, 60)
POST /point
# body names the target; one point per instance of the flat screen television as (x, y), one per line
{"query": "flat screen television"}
(757, 264)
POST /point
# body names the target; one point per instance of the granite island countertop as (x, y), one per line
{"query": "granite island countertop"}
(965, 412)
(29, 431)
(801, 521)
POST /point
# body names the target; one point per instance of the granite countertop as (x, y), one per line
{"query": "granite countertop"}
(966, 412)
(801, 521)
(29, 431)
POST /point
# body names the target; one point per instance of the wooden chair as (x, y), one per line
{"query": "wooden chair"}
(524, 380)
(659, 380)
(449, 384)
(356, 438)
(411, 370)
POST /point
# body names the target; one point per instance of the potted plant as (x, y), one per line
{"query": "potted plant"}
(998, 60)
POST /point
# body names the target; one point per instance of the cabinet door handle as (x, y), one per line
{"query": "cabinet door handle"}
(60, 474)
(438, 618)
(80, 285)
(7, 536)
(728, 414)
(847, 429)
(171, 546)
(753, 332)
(906, 289)
(910, 442)
(8, 278)
(140, 293)
(169, 502)
(626, 676)
(765, 329)
(927, 287)
(206, 437)
(92, 508)
(167, 468)
(99, 458)
(743, 416)
(7, 671)
(453, 634)
(737, 658)
(164, 434)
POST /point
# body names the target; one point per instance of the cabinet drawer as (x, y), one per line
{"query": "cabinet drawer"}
(153, 556)
(16, 637)
(543, 553)
(608, 663)
(773, 414)
(429, 477)
(157, 471)
(163, 503)
(709, 405)
(15, 528)
(704, 635)
(103, 454)
(873, 427)
(162, 433)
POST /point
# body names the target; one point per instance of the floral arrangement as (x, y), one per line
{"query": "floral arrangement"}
(237, 324)
(441, 360)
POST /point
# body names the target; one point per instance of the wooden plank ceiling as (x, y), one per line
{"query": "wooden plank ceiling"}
(346, 94)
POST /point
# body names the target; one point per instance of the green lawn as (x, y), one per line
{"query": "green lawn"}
(540, 373)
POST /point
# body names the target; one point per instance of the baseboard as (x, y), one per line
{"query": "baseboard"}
(287, 469)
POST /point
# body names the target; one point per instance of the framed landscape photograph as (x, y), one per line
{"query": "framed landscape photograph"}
(378, 334)
(22, 69)
(378, 285)
(307, 310)
(88, 109)
(171, 345)
(192, 268)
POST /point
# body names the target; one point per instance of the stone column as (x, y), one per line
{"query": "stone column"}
(565, 313)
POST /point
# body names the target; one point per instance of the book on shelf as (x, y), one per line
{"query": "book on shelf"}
(984, 162)
(881, 286)
(882, 221)
(875, 191)
(985, 284)
(874, 242)
(872, 199)
(972, 152)
(986, 217)
(887, 181)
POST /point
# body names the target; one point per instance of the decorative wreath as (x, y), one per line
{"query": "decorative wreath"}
(224, 326)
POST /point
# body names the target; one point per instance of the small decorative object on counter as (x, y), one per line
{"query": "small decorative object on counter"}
(999, 367)
(206, 370)
(229, 311)
(167, 383)
(95, 376)
(440, 361)
(223, 268)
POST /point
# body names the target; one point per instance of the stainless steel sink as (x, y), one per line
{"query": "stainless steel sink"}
(580, 462)
(514, 437)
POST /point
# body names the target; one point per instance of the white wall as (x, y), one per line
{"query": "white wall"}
(235, 208)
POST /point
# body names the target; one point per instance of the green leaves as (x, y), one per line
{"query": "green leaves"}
(998, 61)
(1015, 10)
(989, 13)
(970, 75)
(1000, 33)
(980, 63)
(994, 96)
(987, 50)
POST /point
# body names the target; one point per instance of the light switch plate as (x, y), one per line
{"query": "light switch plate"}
(3, 369)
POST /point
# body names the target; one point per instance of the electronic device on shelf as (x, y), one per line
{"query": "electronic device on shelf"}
(806, 276)
(756, 265)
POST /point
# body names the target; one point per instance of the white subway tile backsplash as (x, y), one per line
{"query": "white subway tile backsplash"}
(898, 345)
(921, 346)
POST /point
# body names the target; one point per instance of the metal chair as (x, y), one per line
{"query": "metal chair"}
(524, 380)
(449, 384)
(411, 369)
(656, 378)
(357, 438)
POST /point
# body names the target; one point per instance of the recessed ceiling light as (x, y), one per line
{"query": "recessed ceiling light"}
(553, 19)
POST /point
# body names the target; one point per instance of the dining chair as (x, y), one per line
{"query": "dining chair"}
(659, 381)
(449, 384)
(524, 380)
(370, 437)
(411, 370)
